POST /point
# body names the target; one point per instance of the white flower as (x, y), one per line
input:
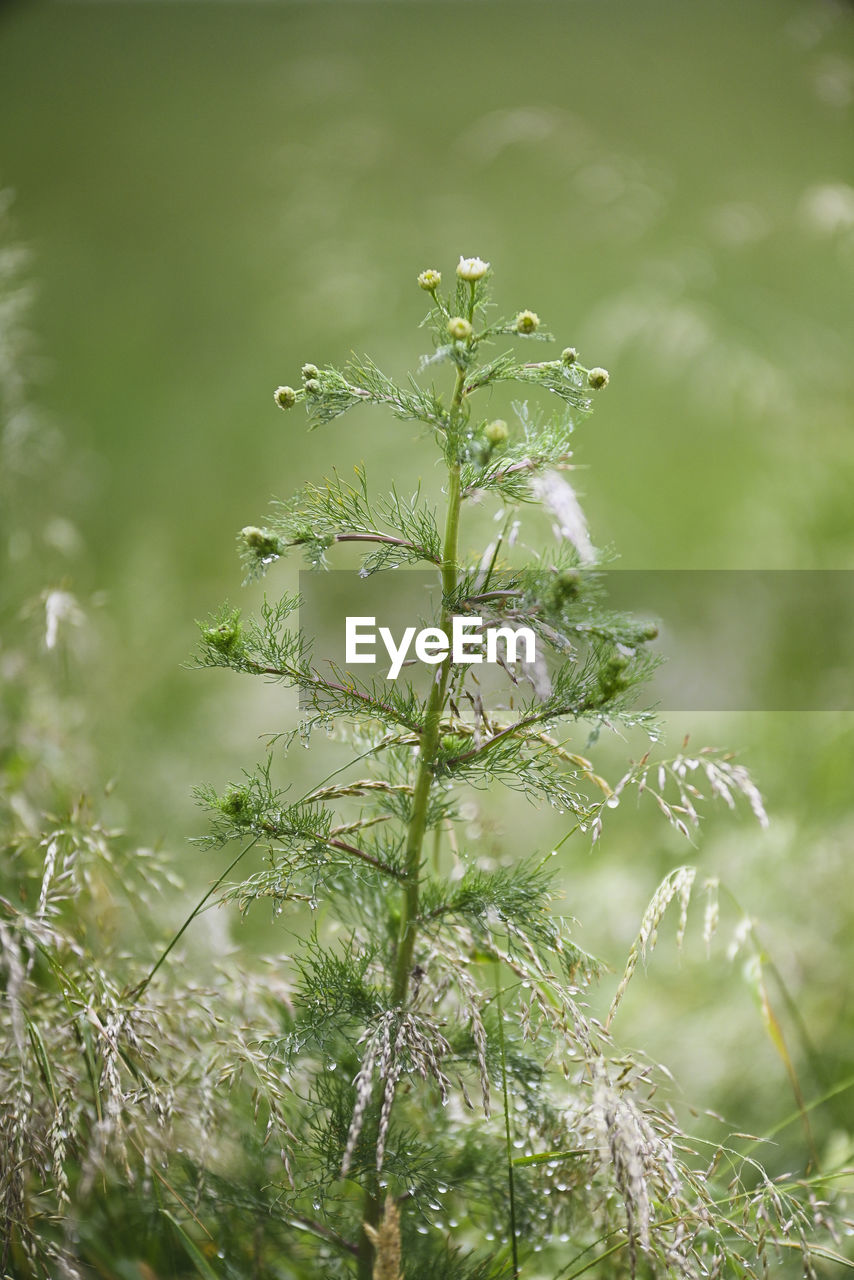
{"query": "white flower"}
(559, 496)
(472, 269)
(60, 607)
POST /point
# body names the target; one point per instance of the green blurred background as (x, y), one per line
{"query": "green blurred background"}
(215, 192)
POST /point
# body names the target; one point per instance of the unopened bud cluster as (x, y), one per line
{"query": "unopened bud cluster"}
(311, 379)
(286, 397)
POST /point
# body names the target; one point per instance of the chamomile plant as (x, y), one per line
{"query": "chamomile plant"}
(452, 1107)
(420, 1088)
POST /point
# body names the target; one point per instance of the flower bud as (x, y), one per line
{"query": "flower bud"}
(260, 542)
(459, 329)
(613, 677)
(472, 269)
(235, 804)
(566, 587)
(285, 397)
(598, 378)
(309, 371)
(496, 432)
(430, 280)
(312, 386)
(569, 355)
(226, 637)
(526, 322)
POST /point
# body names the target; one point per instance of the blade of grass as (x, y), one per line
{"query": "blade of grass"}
(137, 991)
(794, 1116)
(193, 1251)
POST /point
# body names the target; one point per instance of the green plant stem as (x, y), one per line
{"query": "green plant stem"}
(430, 736)
(421, 796)
(508, 1137)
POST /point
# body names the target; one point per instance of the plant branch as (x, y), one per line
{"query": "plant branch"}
(354, 852)
(301, 679)
(387, 540)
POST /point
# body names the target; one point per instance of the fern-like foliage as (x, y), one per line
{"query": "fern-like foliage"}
(462, 1111)
(420, 1087)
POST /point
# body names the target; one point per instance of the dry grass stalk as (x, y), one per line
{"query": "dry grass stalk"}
(386, 1242)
